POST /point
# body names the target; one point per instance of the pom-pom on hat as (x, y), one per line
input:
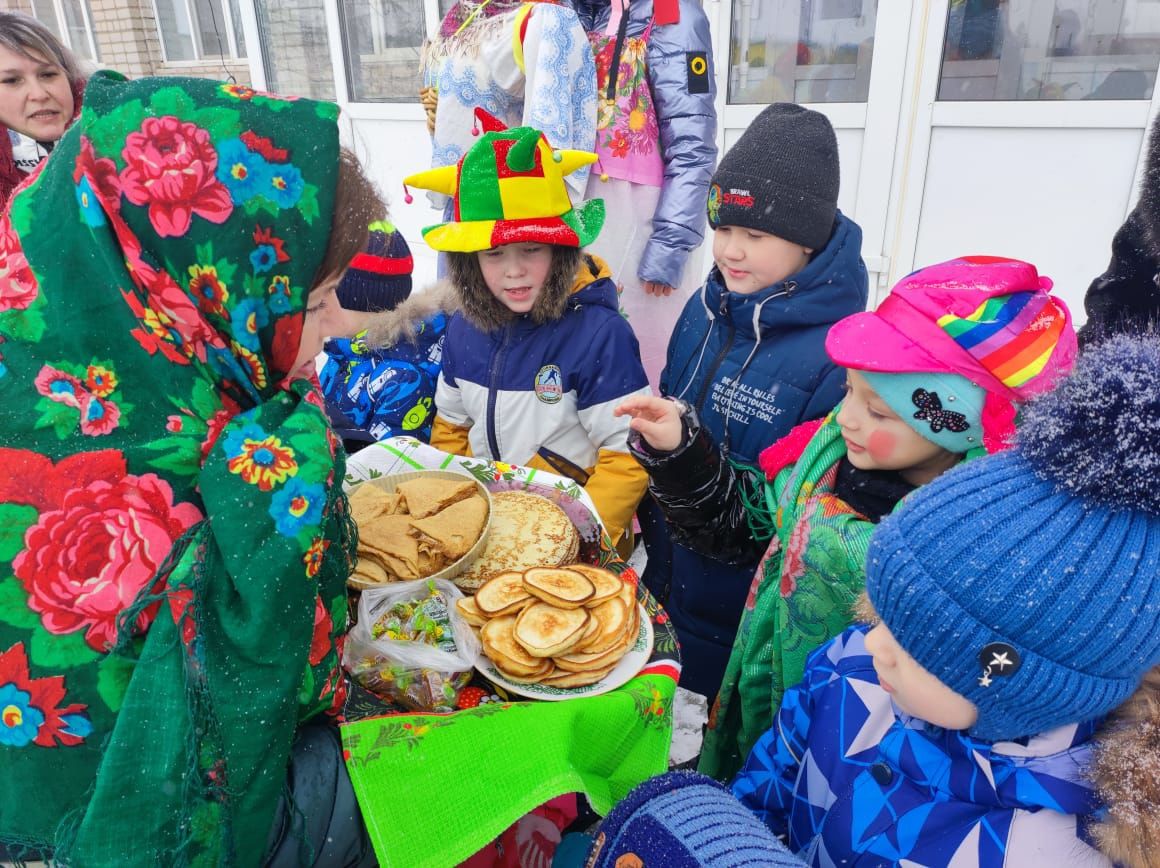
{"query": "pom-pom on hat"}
(1029, 581)
(509, 187)
(685, 820)
(380, 277)
(988, 319)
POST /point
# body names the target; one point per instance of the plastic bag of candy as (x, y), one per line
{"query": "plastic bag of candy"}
(411, 647)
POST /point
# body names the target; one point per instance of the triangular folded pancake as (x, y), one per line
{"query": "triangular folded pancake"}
(454, 530)
(426, 496)
(390, 535)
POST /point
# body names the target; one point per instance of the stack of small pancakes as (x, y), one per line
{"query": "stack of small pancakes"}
(560, 626)
(415, 531)
(527, 530)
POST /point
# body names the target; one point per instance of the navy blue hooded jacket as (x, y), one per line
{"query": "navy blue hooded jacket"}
(758, 361)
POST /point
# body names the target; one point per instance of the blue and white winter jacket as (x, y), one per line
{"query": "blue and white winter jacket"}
(853, 781)
(754, 366)
(542, 395)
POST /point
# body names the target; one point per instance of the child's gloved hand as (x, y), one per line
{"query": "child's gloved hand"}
(658, 420)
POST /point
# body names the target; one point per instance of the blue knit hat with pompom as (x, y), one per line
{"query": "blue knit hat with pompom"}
(1029, 581)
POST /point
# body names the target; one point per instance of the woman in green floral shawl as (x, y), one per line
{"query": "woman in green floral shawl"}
(173, 538)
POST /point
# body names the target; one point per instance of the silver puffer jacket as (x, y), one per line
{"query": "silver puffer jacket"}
(688, 127)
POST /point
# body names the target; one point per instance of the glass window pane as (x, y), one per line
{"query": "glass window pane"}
(176, 33)
(295, 48)
(801, 50)
(239, 32)
(78, 33)
(1050, 49)
(44, 12)
(382, 39)
(211, 28)
(445, 7)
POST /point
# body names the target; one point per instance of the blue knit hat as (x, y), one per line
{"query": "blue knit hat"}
(685, 820)
(379, 278)
(946, 409)
(1029, 581)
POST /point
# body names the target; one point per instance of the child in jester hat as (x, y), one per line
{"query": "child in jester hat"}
(539, 354)
(932, 376)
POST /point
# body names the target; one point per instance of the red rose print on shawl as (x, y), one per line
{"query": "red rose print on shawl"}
(102, 174)
(17, 284)
(170, 166)
(96, 543)
(323, 641)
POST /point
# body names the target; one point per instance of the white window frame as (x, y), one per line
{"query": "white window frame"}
(191, 18)
(66, 35)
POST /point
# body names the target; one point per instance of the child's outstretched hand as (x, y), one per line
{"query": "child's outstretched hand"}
(657, 419)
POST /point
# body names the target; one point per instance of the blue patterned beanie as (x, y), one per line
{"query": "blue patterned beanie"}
(1029, 581)
(685, 820)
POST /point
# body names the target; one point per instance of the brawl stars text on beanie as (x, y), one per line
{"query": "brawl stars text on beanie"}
(1029, 581)
(781, 177)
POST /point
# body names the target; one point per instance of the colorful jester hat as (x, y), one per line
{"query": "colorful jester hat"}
(509, 187)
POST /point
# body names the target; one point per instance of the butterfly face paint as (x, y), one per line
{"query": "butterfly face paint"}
(877, 439)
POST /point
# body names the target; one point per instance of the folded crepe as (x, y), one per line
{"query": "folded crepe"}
(390, 537)
(368, 502)
(454, 530)
(426, 496)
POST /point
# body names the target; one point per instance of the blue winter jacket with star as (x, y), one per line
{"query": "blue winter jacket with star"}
(758, 361)
(852, 781)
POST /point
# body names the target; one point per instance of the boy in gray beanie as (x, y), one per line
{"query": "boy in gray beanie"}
(748, 353)
(1004, 709)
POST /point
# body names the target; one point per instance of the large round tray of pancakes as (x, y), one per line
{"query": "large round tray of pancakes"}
(429, 524)
(527, 530)
(559, 632)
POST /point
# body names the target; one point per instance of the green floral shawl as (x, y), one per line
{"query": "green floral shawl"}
(173, 538)
(802, 595)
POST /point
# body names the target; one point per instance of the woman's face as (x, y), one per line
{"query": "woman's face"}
(325, 318)
(36, 98)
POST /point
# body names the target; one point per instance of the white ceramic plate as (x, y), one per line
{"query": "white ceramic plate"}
(630, 664)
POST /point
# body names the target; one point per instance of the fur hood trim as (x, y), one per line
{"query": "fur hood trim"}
(572, 270)
(389, 327)
(1126, 773)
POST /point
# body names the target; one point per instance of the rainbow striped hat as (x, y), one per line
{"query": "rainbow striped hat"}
(986, 318)
(509, 187)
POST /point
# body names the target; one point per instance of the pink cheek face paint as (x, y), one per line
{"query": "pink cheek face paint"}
(881, 445)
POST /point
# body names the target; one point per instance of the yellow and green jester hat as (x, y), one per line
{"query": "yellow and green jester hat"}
(509, 187)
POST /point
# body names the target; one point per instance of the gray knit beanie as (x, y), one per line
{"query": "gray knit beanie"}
(781, 177)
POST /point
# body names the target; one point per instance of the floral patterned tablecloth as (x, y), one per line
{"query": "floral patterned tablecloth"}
(435, 788)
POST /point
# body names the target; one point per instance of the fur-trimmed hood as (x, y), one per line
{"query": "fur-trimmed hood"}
(389, 327)
(572, 279)
(1126, 773)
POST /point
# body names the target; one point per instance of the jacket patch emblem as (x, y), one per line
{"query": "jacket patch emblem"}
(549, 384)
(698, 66)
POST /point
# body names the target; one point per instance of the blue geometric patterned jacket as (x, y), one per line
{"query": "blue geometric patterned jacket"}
(852, 781)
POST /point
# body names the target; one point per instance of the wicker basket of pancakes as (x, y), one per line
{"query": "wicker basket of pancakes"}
(423, 525)
(527, 530)
(559, 626)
